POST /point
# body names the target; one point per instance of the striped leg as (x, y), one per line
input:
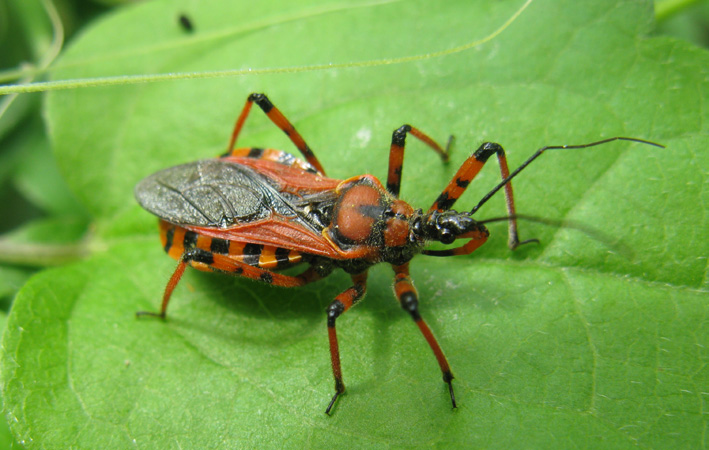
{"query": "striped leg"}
(281, 122)
(408, 298)
(342, 303)
(396, 154)
(471, 167)
(506, 179)
(205, 260)
(467, 172)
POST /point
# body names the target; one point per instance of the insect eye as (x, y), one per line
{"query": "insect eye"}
(446, 237)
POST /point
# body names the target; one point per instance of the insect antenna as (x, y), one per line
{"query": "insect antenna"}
(553, 147)
(594, 233)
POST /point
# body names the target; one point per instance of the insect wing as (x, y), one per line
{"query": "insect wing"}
(211, 193)
(276, 233)
(292, 176)
(224, 199)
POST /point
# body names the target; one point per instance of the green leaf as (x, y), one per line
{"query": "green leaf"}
(569, 342)
(6, 439)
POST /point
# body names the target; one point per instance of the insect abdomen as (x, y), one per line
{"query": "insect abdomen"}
(176, 240)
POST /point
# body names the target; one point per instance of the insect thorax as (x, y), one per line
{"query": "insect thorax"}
(367, 217)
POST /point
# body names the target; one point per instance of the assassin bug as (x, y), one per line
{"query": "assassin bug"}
(253, 212)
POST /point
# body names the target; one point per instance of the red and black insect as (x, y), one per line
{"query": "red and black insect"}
(253, 212)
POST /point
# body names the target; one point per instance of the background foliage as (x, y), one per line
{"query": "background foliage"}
(577, 341)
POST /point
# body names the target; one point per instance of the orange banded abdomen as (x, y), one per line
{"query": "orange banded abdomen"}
(176, 240)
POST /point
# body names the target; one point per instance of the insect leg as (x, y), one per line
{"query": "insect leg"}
(342, 303)
(506, 178)
(470, 168)
(396, 154)
(281, 122)
(270, 154)
(171, 284)
(408, 298)
(467, 172)
(201, 259)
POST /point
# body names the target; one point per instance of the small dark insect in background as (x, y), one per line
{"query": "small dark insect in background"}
(186, 23)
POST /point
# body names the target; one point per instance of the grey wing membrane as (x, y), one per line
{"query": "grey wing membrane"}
(211, 193)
